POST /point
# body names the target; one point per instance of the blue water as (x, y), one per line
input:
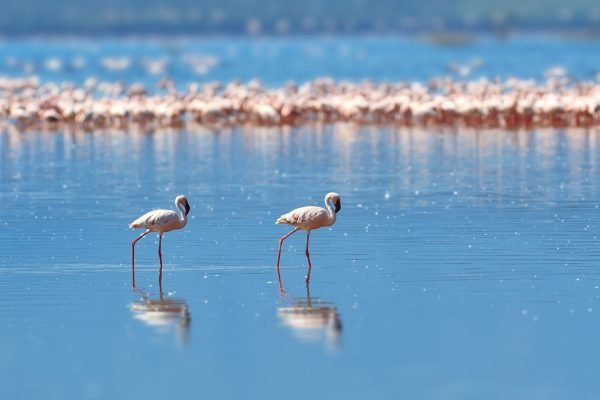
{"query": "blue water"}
(277, 61)
(463, 265)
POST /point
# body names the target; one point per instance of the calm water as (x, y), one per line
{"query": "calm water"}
(276, 61)
(463, 264)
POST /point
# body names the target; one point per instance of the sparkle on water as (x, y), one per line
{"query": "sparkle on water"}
(462, 265)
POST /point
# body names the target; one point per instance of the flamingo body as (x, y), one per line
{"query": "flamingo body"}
(307, 218)
(159, 221)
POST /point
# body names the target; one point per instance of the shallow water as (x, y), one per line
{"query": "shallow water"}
(463, 265)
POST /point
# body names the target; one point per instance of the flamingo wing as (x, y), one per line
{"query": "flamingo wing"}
(310, 217)
(157, 220)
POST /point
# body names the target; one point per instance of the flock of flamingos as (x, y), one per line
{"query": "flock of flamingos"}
(558, 101)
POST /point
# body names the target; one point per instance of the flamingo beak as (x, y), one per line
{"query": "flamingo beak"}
(338, 205)
(187, 208)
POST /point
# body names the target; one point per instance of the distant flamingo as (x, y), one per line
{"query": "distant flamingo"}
(159, 221)
(309, 218)
(559, 101)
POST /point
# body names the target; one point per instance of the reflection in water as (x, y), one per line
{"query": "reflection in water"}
(312, 320)
(163, 314)
(496, 266)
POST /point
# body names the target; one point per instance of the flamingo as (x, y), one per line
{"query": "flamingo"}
(159, 221)
(309, 218)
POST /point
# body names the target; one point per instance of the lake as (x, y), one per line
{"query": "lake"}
(463, 264)
(276, 61)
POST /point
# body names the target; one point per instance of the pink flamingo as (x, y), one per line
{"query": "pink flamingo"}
(159, 221)
(309, 218)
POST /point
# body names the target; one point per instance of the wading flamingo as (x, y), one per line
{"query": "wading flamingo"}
(309, 218)
(159, 221)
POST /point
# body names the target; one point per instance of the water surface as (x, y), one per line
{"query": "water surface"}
(463, 265)
(275, 61)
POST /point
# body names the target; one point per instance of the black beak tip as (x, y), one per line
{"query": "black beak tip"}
(338, 206)
(187, 208)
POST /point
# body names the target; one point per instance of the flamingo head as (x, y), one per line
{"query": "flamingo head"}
(181, 200)
(335, 199)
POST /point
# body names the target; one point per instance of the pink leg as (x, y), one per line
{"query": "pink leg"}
(160, 259)
(133, 257)
(308, 258)
(280, 244)
(281, 290)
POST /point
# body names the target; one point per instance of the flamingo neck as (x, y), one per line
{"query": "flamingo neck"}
(331, 211)
(182, 216)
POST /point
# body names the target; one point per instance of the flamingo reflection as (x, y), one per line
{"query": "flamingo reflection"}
(163, 314)
(312, 319)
